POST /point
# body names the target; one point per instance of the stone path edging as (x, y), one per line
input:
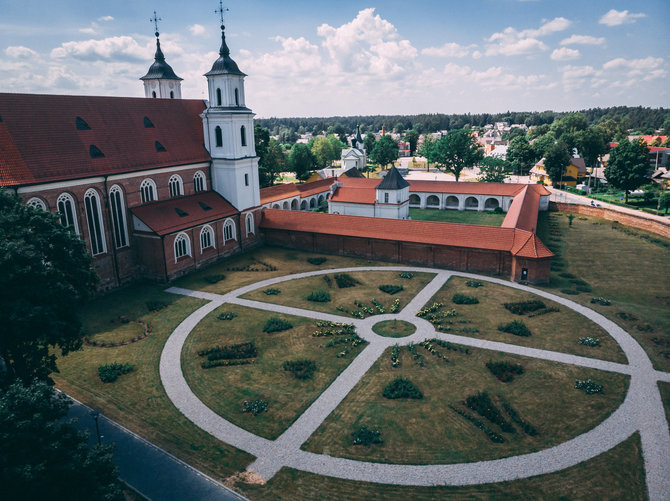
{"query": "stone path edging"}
(642, 409)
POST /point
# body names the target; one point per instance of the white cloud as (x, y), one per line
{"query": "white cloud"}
(450, 49)
(616, 18)
(553, 26)
(106, 18)
(511, 42)
(583, 40)
(123, 48)
(88, 31)
(634, 66)
(516, 47)
(565, 54)
(197, 29)
(578, 71)
(20, 52)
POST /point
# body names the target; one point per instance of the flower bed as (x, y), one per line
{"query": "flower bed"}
(343, 281)
(517, 327)
(226, 315)
(367, 437)
(255, 407)
(590, 387)
(523, 307)
(146, 330)
(272, 292)
(213, 279)
(316, 261)
(493, 436)
(481, 403)
(589, 341)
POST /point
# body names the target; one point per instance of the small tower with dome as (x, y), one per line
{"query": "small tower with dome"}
(161, 80)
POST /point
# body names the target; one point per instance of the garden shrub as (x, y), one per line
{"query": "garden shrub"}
(407, 275)
(523, 307)
(473, 283)
(391, 289)
(272, 292)
(601, 301)
(110, 372)
(227, 315)
(316, 261)
(626, 316)
(156, 305)
(327, 279)
(255, 407)
(590, 387)
(232, 352)
(319, 296)
(365, 436)
(275, 324)
(589, 341)
(212, 279)
(401, 388)
(301, 369)
(344, 280)
(517, 327)
(504, 371)
(481, 403)
(498, 210)
(464, 299)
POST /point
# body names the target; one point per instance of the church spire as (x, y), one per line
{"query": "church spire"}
(161, 80)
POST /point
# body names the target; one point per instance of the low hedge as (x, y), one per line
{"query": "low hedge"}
(391, 289)
(464, 299)
(365, 436)
(275, 324)
(517, 327)
(401, 388)
(301, 369)
(110, 372)
(319, 296)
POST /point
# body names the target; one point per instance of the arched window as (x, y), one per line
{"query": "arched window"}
(171, 94)
(36, 203)
(250, 224)
(153, 93)
(243, 134)
(148, 191)
(118, 216)
(229, 231)
(218, 97)
(199, 182)
(219, 136)
(68, 214)
(237, 97)
(96, 230)
(206, 238)
(176, 186)
(182, 246)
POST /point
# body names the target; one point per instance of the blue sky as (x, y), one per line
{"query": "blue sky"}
(310, 58)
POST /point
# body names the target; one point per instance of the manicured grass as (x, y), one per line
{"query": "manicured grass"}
(224, 389)
(428, 431)
(137, 399)
(615, 474)
(630, 271)
(394, 328)
(294, 293)
(558, 331)
(486, 218)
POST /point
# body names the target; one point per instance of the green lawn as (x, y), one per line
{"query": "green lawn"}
(486, 218)
(557, 331)
(224, 389)
(394, 328)
(631, 270)
(428, 431)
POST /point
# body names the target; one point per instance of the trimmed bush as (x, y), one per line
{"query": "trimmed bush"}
(225, 363)
(570, 292)
(590, 387)
(401, 388)
(255, 407)
(212, 279)
(589, 341)
(227, 315)
(272, 292)
(344, 280)
(583, 288)
(365, 436)
(232, 352)
(156, 305)
(523, 307)
(319, 296)
(391, 289)
(473, 283)
(517, 327)
(328, 280)
(301, 369)
(527, 428)
(316, 261)
(464, 299)
(601, 301)
(275, 324)
(407, 275)
(504, 371)
(110, 372)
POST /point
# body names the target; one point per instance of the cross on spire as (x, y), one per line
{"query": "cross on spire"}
(155, 20)
(221, 11)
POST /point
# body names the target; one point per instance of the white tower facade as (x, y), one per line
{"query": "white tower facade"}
(229, 133)
(161, 80)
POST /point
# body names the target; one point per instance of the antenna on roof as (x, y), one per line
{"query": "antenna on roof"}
(155, 20)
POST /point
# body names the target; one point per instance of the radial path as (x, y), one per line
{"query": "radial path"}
(642, 409)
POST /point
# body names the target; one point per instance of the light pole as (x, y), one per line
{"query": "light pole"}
(95, 415)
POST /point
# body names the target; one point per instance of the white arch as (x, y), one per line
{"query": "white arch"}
(294, 204)
(36, 203)
(199, 181)
(433, 201)
(303, 205)
(182, 246)
(207, 238)
(285, 205)
(491, 203)
(451, 202)
(176, 185)
(250, 224)
(148, 191)
(118, 209)
(68, 212)
(229, 232)
(471, 203)
(414, 199)
(96, 229)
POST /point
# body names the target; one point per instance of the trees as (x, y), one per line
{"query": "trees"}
(369, 142)
(591, 145)
(45, 271)
(454, 152)
(301, 161)
(46, 458)
(613, 129)
(325, 150)
(537, 131)
(521, 155)
(628, 166)
(492, 170)
(271, 158)
(385, 151)
(542, 144)
(664, 201)
(412, 137)
(556, 159)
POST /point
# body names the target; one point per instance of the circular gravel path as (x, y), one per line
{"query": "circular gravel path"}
(642, 409)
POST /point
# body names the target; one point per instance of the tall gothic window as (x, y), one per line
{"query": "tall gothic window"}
(96, 230)
(250, 224)
(219, 136)
(36, 203)
(243, 134)
(118, 216)
(206, 238)
(199, 182)
(182, 246)
(176, 186)
(228, 231)
(68, 214)
(148, 191)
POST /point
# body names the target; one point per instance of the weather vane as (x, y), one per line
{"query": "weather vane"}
(155, 20)
(221, 11)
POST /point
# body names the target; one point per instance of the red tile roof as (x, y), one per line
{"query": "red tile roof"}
(39, 140)
(526, 244)
(500, 189)
(289, 190)
(523, 211)
(163, 219)
(356, 190)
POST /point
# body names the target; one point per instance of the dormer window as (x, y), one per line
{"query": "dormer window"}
(81, 124)
(159, 147)
(95, 152)
(148, 124)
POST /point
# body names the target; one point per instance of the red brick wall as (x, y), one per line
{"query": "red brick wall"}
(614, 215)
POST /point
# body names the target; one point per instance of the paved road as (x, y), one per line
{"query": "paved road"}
(152, 472)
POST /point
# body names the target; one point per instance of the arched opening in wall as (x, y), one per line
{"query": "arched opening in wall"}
(294, 204)
(312, 203)
(176, 186)
(321, 199)
(250, 225)
(414, 201)
(206, 238)
(243, 135)
(303, 205)
(148, 191)
(275, 206)
(471, 203)
(153, 93)
(96, 230)
(491, 204)
(118, 216)
(218, 97)
(237, 97)
(199, 182)
(219, 136)
(68, 213)
(285, 206)
(452, 202)
(171, 94)
(182, 246)
(229, 231)
(432, 202)
(36, 203)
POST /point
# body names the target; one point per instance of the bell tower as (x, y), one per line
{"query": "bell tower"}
(161, 81)
(229, 132)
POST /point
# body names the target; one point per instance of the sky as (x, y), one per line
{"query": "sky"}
(324, 58)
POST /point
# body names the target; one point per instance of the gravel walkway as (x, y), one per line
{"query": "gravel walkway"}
(642, 409)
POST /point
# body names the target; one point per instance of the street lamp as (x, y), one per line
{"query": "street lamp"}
(95, 415)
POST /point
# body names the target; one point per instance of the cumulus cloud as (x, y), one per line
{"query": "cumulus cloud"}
(20, 52)
(511, 42)
(106, 18)
(565, 54)
(634, 67)
(583, 40)
(197, 30)
(450, 49)
(616, 18)
(123, 48)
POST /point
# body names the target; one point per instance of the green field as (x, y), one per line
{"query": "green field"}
(486, 218)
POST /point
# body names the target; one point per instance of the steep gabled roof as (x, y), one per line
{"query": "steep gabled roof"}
(393, 181)
(160, 68)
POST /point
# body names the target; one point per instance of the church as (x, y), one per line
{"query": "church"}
(160, 186)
